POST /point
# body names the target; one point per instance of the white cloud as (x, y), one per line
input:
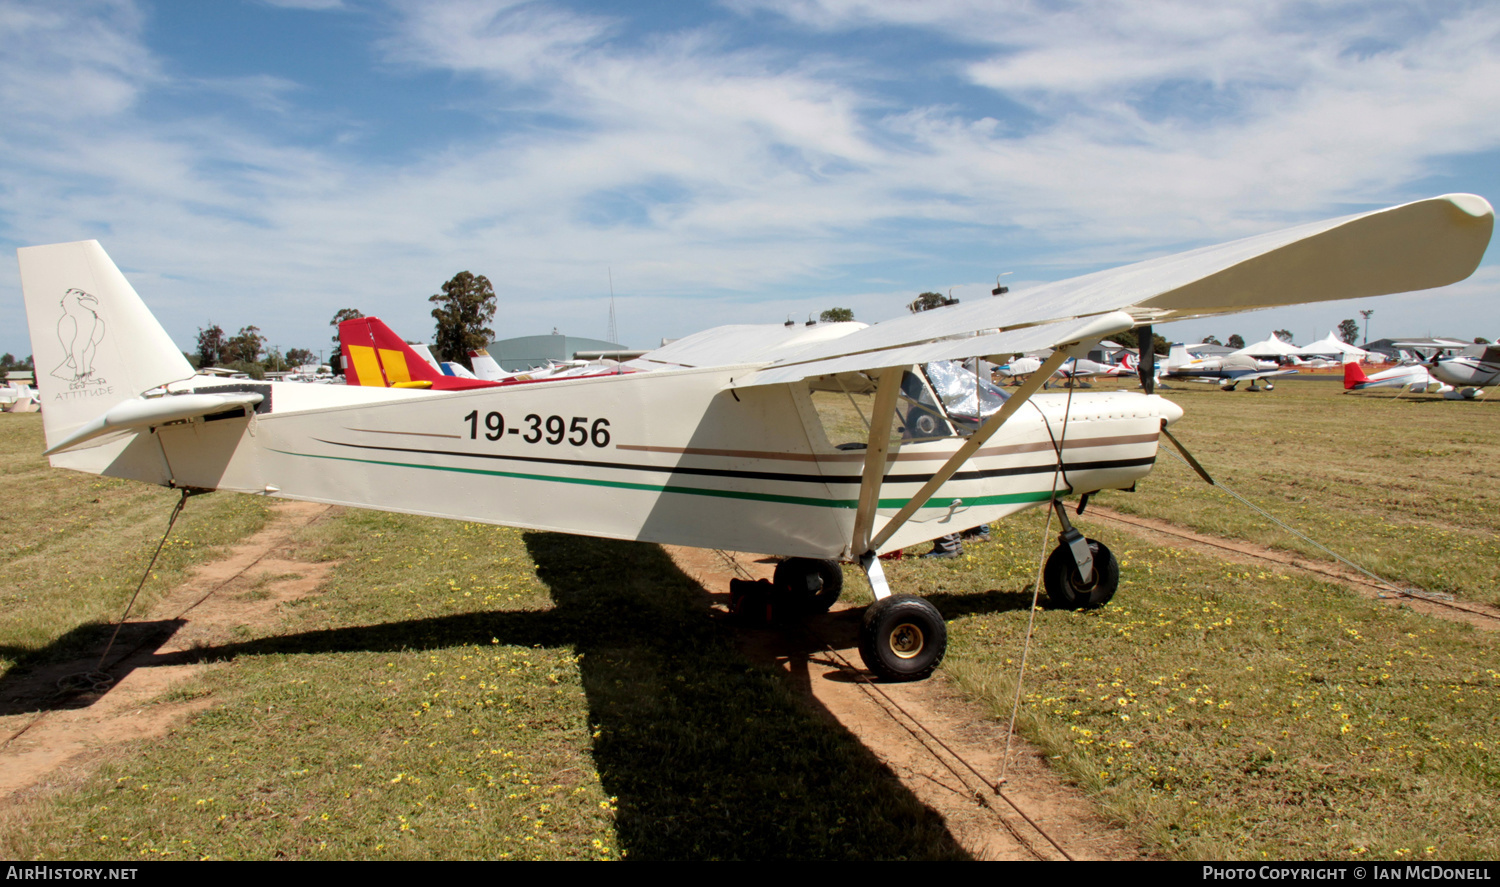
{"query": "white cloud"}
(70, 61)
(722, 179)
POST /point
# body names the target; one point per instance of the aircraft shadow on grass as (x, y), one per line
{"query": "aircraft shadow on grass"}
(709, 756)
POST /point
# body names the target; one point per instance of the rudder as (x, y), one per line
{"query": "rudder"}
(94, 342)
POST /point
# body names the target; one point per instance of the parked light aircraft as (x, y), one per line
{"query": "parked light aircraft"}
(376, 357)
(718, 442)
(1227, 371)
(18, 398)
(1478, 365)
(1071, 370)
(1415, 378)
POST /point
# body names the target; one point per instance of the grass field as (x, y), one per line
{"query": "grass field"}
(1405, 487)
(73, 546)
(459, 691)
(1221, 711)
(462, 691)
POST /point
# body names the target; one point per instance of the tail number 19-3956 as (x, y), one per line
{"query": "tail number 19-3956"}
(578, 431)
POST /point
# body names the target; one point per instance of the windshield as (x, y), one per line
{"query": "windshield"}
(966, 390)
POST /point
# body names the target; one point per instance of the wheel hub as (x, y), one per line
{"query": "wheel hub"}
(907, 640)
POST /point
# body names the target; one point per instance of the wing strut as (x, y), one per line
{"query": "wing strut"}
(881, 418)
(970, 447)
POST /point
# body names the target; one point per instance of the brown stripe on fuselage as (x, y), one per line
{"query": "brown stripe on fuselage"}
(859, 455)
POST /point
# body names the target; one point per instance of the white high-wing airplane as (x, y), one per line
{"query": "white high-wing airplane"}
(1477, 365)
(720, 444)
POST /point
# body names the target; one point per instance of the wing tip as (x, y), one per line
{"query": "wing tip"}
(1470, 204)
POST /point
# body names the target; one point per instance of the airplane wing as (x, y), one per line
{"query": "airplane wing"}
(1414, 246)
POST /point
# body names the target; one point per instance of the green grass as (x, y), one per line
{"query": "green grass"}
(73, 546)
(578, 695)
(1222, 711)
(1403, 487)
(458, 691)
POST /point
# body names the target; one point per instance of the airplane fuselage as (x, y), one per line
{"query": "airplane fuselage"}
(1469, 372)
(673, 457)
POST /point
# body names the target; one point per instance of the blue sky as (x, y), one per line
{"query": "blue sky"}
(269, 162)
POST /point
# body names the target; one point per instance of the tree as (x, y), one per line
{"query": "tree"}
(210, 346)
(837, 315)
(1348, 330)
(1481, 340)
(1285, 336)
(300, 357)
(1210, 340)
(1236, 341)
(929, 301)
(246, 345)
(464, 308)
(342, 315)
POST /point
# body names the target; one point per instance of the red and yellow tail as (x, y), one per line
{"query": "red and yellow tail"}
(375, 356)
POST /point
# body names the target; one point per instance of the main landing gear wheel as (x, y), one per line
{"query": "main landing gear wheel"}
(815, 583)
(902, 638)
(1066, 589)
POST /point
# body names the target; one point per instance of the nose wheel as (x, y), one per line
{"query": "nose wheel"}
(1080, 574)
(1066, 588)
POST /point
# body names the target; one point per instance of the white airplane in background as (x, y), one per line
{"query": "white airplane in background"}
(1414, 378)
(1479, 364)
(1072, 370)
(18, 398)
(1227, 371)
(716, 442)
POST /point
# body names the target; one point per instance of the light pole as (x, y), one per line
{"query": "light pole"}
(1366, 315)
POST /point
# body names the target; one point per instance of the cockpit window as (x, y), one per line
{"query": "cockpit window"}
(940, 400)
(968, 396)
(921, 416)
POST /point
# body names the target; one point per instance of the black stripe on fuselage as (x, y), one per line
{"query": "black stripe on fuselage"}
(785, 476)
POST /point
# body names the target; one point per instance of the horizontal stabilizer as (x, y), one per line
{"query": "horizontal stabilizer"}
(141, 412)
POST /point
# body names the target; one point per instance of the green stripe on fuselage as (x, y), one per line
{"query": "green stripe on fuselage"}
(998, 499)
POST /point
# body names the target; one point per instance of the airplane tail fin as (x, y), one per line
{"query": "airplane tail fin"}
(95, 343)
(1179, 355)
(1353, 375)
(375, 356)
(485, 366)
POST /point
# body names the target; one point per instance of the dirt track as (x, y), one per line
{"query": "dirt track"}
(923, 731)
(51, 737)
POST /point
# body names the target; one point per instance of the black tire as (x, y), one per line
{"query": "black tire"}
(902, 638)
(1065, 587)
(815, 583)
